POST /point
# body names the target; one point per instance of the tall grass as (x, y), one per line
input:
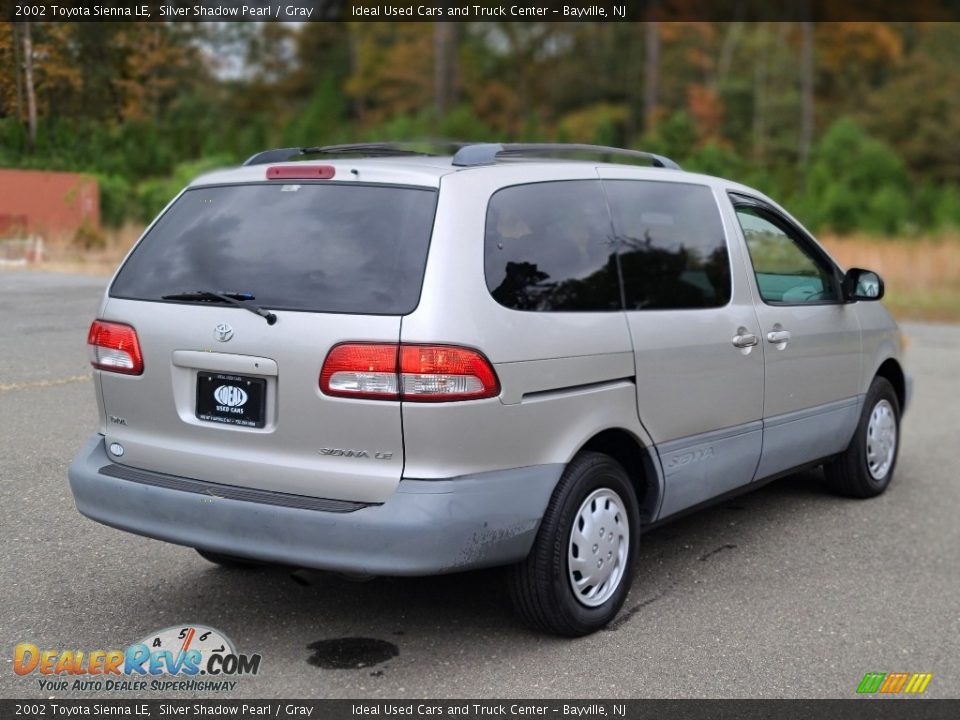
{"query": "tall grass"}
(922, 276)
(97, 252)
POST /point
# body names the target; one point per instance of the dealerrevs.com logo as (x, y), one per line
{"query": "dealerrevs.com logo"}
(177, 658)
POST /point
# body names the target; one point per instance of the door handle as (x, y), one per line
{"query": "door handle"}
(745, 340)
(778, 337)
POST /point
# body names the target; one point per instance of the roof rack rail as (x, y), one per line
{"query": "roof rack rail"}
(488, 153)
(371, 149)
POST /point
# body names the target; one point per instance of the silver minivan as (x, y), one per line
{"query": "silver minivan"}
(372, 360)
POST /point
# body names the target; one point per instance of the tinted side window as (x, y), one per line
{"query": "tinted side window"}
(549, 247)
(673, 252)
(786, 271)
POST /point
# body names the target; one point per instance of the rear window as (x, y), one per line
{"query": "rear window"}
(316, 247)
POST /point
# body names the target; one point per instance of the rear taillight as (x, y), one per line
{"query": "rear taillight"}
(361, 371)
(114, 347)
(435, 373)
(415, 373)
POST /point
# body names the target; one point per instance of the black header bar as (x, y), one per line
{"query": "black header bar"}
(479, 10)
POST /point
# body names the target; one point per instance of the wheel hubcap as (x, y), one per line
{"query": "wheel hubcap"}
(881, 439)
(599, 543)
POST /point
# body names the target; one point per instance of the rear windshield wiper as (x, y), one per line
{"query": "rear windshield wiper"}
(231, 298)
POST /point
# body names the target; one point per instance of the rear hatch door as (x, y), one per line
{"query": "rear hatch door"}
(228, 398)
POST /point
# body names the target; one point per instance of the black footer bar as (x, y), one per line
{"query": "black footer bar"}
(854, 709)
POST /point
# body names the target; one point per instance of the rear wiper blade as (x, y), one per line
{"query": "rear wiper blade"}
(237, 299)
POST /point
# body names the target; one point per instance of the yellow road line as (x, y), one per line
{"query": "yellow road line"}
(30, 385)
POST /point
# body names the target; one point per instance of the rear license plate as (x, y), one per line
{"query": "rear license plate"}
(231, 399)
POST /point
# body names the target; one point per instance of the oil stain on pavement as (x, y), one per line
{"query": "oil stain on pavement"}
(351, 653)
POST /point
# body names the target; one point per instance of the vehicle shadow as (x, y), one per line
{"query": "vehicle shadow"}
(306, 606)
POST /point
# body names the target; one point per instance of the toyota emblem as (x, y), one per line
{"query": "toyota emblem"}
(222, 332)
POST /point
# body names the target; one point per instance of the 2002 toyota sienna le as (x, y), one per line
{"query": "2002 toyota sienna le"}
(387, 362)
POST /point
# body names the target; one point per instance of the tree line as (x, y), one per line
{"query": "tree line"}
(855, 126)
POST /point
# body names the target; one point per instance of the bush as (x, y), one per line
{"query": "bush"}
(89, 238)
(946, 211)
(675, 137)
(462, 124)
(600, 124)
(856, 181)
(888, 211)
(116, 200)
(153, 194)
(712, 159)
(322, 120)
(837, 206)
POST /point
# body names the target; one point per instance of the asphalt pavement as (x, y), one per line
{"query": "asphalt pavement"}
(785, 592)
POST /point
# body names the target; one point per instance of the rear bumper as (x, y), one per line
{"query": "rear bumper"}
(427, 527)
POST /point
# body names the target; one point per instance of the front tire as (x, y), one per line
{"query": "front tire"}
(865, 468)
(578, 573)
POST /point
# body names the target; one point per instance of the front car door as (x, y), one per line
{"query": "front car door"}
(699, 360)
(811, 340)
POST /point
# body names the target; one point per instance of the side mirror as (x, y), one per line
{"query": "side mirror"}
(860, 284)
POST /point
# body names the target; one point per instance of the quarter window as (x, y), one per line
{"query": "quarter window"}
(787, 272)
(549, 247)
(673, 251)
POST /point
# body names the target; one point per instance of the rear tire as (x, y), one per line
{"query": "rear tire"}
(578, 573)
(865, 468)
(227, 561)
